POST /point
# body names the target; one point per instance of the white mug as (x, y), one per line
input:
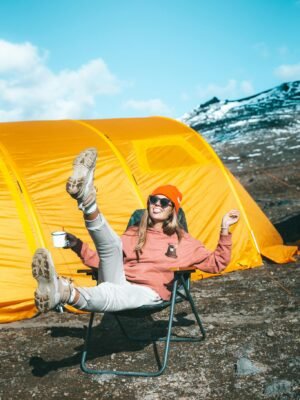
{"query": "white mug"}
(59, 239)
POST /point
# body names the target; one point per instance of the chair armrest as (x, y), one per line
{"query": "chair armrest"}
(85, 271)
(92, 271)
(184, 269)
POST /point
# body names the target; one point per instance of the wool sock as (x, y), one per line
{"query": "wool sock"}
(80, 303)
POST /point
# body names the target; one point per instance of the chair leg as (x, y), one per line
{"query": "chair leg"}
(167, 340)
(172, 339)
(162, 366)
(88, 335)
(195, 312)
(189, 298)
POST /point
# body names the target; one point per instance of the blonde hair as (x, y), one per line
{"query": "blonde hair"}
(170, 225)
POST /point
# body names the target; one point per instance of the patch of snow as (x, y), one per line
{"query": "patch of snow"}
(238, 123)
(222, 110)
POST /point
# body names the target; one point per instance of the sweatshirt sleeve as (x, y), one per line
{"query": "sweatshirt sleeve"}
(217, 260)
(89, 257)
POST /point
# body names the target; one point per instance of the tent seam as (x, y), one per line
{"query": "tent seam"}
(9, 165)
(207, 145)
(119, 157)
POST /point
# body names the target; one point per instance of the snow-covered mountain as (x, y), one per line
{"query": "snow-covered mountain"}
(222, 120)
(265, 126)
(258, 139)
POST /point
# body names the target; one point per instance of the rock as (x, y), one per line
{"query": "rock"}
(294, 362)
(103, 378)
(245, 351)
(245, 367)
(270, 333)
(238, 385)
(278, 387)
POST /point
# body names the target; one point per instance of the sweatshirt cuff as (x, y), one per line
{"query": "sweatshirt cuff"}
(225, 239)
(78, 247)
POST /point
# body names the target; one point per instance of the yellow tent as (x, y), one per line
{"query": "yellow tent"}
(135, 155)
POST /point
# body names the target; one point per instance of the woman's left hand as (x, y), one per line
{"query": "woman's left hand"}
(230, 218)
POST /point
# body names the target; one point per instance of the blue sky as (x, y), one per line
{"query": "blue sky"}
(104, 59)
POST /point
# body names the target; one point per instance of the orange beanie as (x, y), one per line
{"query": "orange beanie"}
(171, 192)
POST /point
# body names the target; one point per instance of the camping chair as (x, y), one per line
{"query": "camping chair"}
(180, 293)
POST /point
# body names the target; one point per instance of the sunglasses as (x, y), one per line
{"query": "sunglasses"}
(164, 202)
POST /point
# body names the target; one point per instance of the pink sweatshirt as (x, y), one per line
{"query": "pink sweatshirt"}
(152, 267)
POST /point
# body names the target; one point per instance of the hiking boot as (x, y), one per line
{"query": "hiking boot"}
(52, 290)
(80, 185)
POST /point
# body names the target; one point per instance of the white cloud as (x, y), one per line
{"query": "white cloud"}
(288, 71)
(232, 89)
(18, 57)
(152, 106)
(30, 90)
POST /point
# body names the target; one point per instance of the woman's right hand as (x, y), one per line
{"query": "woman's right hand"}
(230, 218)
(71, 240)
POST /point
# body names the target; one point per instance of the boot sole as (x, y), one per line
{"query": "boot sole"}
(83, 167)
(43, 271)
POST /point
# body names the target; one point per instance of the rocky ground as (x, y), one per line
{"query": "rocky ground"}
(252, 349)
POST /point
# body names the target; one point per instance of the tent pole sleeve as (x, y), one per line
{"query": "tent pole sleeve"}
(225, 172)
(7, 165)
(241, 207)
(119, 157)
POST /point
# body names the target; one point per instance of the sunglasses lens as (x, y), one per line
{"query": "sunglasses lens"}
(153, 199)
(163, 202)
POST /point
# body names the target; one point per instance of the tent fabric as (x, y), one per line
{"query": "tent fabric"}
(135, 156)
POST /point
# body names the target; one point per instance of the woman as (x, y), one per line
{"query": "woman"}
(134, 270)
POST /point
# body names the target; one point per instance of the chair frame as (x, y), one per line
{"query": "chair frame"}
(180, 292)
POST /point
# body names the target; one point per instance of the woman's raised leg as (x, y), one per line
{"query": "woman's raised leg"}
(52, 289)
(109, 246)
